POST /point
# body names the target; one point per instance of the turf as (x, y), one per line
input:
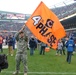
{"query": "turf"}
(48, 64)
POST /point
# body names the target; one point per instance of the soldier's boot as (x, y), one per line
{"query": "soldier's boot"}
(16, 73)
(25, 73)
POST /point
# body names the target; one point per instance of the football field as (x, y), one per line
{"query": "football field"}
(48, 64)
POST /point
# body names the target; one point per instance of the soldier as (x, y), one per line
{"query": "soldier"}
(21, 54)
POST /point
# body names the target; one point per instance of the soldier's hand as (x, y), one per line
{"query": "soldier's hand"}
(23, 27)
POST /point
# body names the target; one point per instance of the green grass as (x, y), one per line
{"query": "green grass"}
(48, 64)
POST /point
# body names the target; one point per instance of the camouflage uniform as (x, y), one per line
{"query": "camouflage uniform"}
(21, 54)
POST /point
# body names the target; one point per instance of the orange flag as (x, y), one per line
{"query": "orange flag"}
(45, 25)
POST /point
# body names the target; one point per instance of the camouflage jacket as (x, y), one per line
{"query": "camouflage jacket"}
(21, 43)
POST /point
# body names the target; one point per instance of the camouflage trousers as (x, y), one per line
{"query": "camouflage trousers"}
(21, 58)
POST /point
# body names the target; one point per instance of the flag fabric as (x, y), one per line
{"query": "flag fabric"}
(45, 25)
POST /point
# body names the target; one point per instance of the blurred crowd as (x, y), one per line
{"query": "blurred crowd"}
(65, 11)
(10, 26)
(61, 12)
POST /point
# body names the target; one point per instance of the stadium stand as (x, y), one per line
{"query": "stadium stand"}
(65, 11)
(9, 24)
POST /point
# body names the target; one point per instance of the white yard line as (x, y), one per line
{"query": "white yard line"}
(48, 73)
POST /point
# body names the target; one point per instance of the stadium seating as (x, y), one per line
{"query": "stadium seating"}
(15, 25)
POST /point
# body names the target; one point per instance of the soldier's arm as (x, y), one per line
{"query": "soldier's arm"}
(22, 29)
(17, 34)
(26, 37)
